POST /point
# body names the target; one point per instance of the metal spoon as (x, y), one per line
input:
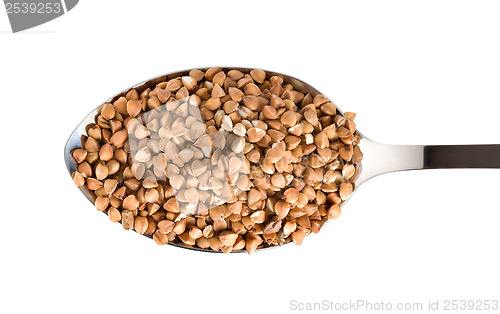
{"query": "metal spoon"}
(378, 158)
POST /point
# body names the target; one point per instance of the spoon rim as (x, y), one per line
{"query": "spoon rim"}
(74, 140)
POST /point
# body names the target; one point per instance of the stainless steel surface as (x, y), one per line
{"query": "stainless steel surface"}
(382, 158)
(378, 158)
(74, 140)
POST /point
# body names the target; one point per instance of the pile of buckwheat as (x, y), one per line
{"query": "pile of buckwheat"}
(221, 159)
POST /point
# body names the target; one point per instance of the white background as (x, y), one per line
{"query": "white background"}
(416, 72)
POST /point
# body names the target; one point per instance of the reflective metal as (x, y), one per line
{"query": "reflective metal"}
(378, 158)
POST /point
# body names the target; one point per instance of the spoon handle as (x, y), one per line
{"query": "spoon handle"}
(461, 156)
(382, 158)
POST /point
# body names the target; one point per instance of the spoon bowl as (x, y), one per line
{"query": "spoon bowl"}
(377, 158)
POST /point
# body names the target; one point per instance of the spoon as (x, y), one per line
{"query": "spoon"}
(378, 158)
